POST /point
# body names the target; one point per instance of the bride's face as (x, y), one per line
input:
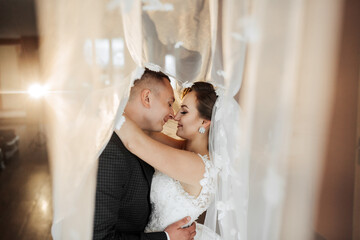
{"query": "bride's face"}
(188, 117)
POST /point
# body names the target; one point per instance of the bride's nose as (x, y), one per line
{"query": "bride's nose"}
(177, 116)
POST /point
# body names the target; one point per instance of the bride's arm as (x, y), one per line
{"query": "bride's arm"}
(165, 139)
(181, 165)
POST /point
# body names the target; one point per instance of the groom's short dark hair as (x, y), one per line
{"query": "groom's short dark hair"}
(152, 74)
(149, 79)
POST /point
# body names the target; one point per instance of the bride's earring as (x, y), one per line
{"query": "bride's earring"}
(201, 130)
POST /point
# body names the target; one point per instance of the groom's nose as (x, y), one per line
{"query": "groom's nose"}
(171, 114)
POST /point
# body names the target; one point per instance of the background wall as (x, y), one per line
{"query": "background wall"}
(10, 78)
(17, 18)
(19, 59)
(336, 202)
(19, 69)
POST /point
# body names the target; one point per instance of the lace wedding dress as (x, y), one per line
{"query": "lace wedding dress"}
(170, 202)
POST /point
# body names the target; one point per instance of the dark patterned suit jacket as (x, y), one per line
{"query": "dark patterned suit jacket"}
(122, 205)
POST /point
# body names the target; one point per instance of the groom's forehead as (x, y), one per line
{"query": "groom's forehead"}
(168, 95)
(167, 88)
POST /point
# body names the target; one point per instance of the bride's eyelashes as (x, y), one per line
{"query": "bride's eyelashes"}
(183, 113)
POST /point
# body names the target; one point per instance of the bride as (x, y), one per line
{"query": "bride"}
(184, 181)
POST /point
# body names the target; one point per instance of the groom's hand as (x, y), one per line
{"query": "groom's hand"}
(177, 233)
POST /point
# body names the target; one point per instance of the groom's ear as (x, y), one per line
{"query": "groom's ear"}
(145, 98)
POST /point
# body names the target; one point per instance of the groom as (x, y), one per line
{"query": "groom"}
(122, 205)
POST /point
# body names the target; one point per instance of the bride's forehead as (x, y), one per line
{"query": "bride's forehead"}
(189, 98)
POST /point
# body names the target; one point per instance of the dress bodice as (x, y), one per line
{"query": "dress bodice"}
(170, 202)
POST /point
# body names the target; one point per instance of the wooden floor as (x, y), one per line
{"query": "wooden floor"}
(25, 190)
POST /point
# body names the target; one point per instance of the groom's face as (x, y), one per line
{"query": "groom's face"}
(161, 106)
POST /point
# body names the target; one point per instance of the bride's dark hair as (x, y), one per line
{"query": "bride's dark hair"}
(205, 96)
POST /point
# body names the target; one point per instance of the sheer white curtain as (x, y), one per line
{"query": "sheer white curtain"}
(286, 99)
(268, 48)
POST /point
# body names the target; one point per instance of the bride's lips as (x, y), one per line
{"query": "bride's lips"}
(179, 125)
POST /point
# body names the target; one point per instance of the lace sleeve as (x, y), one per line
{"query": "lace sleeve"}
(208, 182)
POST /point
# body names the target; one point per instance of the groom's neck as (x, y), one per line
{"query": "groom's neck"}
(133, 111)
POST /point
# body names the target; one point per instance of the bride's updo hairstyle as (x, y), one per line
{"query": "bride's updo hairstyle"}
(205, 97)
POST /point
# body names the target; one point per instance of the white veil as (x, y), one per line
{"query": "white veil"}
(227, 215)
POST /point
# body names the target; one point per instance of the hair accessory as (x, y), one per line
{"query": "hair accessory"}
(187, 84)
(220, 92)
(201, 130)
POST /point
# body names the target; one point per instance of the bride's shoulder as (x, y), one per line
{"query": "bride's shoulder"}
(206, 159)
